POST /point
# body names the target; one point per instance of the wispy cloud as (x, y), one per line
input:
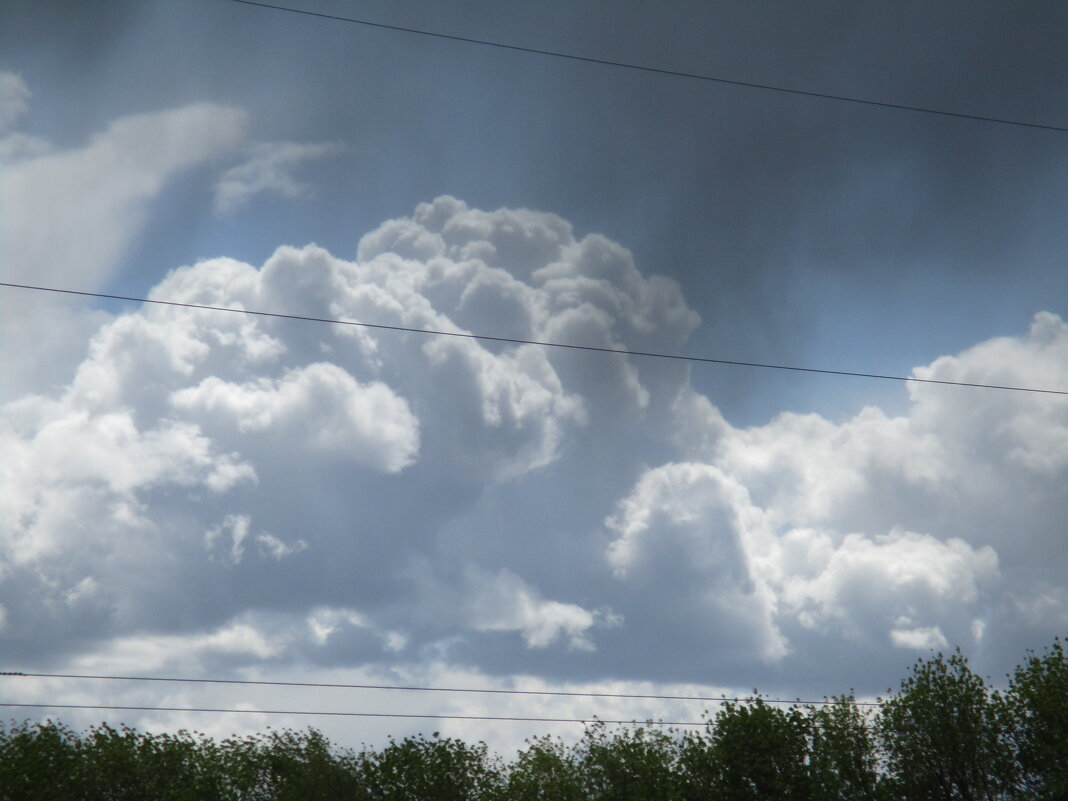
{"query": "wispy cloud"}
(268, 170)
(14, 99)
(96, 195)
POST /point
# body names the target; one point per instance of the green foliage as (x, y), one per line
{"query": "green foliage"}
(941, 735)
(49, 761)
(843, 760)
(1036, 712)
(546, 770)
(419, 768)
(630, 764)
(757, 751)
(292, 766)
(122, 764)
(39, 762)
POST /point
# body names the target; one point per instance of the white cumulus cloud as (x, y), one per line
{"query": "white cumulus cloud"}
(504, 602)
(914, 531)
(320, 405)
(354, 496)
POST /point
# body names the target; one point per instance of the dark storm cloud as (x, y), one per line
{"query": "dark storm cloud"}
(780, 215)
(760, 203)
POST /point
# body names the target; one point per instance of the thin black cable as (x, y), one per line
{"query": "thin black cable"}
(516, 341)
(656, 70)
(557, 693)
(404, 715)
(352, 714)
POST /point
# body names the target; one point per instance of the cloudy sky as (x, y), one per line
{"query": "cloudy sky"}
(211, 495)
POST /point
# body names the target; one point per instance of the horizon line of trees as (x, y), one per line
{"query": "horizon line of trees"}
(944, 735)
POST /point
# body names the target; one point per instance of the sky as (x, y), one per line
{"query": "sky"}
(200, 494)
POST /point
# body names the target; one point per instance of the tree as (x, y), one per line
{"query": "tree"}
(304, 766)
(941, 735)
(38, 762)
(1036, 724)
(750, 752)
(629, 764)
(418, 768)
(126, 764)
(545, 771)
(843, 760)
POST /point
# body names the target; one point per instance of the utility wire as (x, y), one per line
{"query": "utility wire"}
(394, 715)
(555, 693)
(352, 714)
(517, 341)
(656, 70)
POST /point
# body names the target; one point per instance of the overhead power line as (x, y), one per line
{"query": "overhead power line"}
(392, 715)
(655, 70)
(321, 685)
(507, 718)
(539, 343)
